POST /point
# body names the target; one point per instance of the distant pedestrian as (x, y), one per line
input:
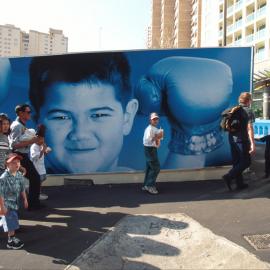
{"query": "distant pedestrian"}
(12, 185)
(151, 141)
(266, 139)
(241, 142)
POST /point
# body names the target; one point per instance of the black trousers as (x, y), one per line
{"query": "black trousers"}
(34, 180)
(240, 158)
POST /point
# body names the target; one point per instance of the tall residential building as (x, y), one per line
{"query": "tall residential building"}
(210, 23)
(41, 43)
(247, 24)
(182, 24)
(10, 40)
(171, 24)
(14, 42)
(196, 23)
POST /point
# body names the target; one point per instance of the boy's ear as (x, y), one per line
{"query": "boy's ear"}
(129, 114)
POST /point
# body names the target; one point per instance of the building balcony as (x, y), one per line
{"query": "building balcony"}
(261, 12)
(261, 34)
(260, 55)
(220, 33)
(249, 1)
(229, 10)
(250, 17)
(238, 42)
(249, 38)
(221, 16)
(238, 5)
(238, 24)
(230, 28)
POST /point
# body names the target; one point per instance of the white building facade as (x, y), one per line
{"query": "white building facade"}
(14, 42)
(247, 24)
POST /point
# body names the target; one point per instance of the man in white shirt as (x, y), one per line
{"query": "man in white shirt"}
(151, 141)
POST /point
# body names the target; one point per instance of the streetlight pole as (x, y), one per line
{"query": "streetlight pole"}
(224, 23)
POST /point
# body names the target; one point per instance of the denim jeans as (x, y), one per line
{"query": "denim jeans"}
(152, 166)
(240, 159)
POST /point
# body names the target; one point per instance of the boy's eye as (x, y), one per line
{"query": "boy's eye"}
(59, 117)
(98, 115)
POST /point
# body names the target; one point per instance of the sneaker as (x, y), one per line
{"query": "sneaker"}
(151, 190)
(14, 243)
(227, 180)
(43, 196)
(144, 188)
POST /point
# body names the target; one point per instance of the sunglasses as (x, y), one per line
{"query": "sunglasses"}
(27, 112)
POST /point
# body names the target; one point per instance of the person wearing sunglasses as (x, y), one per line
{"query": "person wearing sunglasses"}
(22, 147)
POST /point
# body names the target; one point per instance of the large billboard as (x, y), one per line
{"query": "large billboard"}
(96, 105)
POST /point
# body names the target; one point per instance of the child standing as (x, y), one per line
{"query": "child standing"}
(37, 152)
(151, 141)
(12, 185)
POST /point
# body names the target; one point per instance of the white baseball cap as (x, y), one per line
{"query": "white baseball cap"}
(154, 116)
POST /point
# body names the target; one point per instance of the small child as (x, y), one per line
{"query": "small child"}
(37, 152)
(12, 185)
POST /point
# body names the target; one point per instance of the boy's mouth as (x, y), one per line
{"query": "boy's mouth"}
(80, 146)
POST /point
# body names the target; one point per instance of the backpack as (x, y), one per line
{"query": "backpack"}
(230, 119)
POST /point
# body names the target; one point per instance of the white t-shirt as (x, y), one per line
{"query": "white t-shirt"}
(148, 136)
(38, 161)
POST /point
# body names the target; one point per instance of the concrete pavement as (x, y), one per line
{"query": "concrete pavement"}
(77, 216)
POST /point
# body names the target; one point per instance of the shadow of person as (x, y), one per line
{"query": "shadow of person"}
(136, 241)
(58, 236)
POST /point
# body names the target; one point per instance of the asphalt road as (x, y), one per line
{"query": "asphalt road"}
(76, 216)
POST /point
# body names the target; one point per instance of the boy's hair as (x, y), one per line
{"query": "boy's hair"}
(3, 117)
(41, 129)
(21, 108)
(244, 97)
(107, 67)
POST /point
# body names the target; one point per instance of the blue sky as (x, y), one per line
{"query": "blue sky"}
(90, 25)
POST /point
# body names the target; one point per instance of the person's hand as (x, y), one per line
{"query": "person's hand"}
(3, 211)
(22, 170)
(252, 149)
(48, 149)
(192, 92)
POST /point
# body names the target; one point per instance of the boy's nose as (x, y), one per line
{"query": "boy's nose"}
(81, 130)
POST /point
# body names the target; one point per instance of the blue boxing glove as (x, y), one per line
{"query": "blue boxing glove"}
(5, 71)
(192, 92)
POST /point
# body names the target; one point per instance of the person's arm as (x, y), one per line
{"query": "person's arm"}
(23, 193)
(3, 210)
(24, 197)
(34, 152)
(14, 138)
(251, 138)
(22, 170)
(25, 143)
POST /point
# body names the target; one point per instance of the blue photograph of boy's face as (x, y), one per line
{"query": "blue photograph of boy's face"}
(95, 106)
(85, 127)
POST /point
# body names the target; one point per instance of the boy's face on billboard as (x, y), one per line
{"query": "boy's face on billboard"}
(85, 127)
